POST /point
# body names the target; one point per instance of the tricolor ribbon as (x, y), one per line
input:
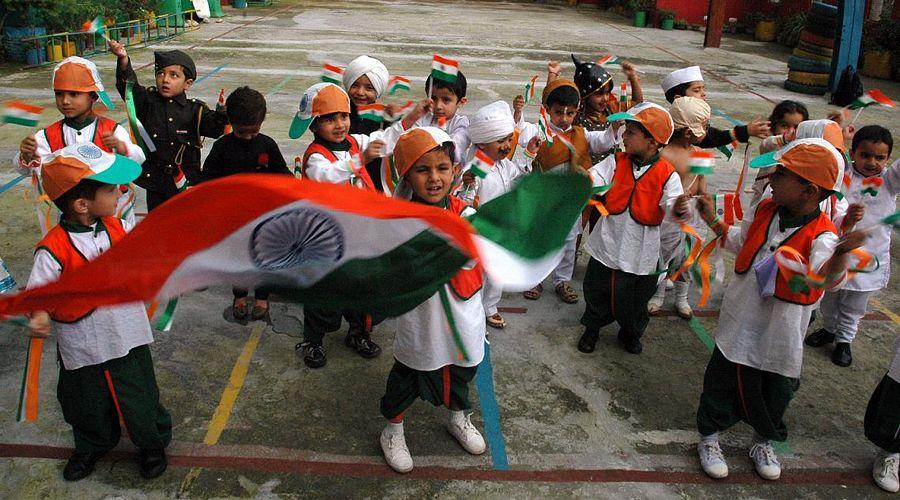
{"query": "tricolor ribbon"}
(801, 277)
(28, 393)
(451, 323)
(139, 134)
(696, 245)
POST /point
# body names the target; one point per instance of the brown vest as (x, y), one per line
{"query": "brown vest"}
(551, 156)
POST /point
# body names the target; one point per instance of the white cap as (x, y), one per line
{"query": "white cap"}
(679, 76)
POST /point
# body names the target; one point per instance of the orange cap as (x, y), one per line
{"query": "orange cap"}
(653, 117)
(414, 143)
(814, 159)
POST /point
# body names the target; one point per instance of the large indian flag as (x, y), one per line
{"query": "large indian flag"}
(322, 244)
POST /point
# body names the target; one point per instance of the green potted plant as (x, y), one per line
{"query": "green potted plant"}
(680, 24)
(879, 40)
(638, 9)
(666, 19)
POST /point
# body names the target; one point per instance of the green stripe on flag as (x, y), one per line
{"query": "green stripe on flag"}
(15, 120)
(440, 75)
(518, 220)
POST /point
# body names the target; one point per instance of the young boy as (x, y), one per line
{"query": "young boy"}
(446, 100)
(759, 347)
(882, 422)
(873, 186)
(336, 157)
(428, 364)
(491, 131)
(365, 80)
(689, 82)
(690, 116)
(245, 150)
(625, 245)
(77, 86)
(175, 123)
(561, 101)
(106, 372)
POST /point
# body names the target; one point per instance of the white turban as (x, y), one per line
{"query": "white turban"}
(369, 66)
(491, 123)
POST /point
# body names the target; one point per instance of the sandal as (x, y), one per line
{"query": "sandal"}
(239, 308)
(495, 321)
(260, 309)
(534, 293)
(566, 293)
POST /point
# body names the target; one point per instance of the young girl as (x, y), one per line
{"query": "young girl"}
(428, 364)
(785, 118)
(365, 80)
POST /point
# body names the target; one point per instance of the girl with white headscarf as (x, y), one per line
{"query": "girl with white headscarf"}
(365, 80)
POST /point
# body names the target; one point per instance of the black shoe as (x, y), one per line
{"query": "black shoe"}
(361, 342)
(152, 463)
(841, 355)
(588, 341)
(313, 354)
(631, 343)
(819, 338)
(80, 465)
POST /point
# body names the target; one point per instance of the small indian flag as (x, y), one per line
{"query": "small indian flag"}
(481, 164)
(702, 162)
(332, 74)
(870, 98)
(728, 149)
(220, 106)
(445, 69)
(442, 122)
(373, 112)
(529, 89)
(93, 26)
(608, 59)
(181, 181)
(871, 185)
(400, 111)
(623, 97)
(544, 126)
(19, 113)
(397, 83)
(725, 206)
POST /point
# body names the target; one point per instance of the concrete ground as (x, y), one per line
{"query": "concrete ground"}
(252, 421)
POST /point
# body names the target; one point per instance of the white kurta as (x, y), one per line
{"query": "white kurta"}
(764, 332)
(108, 332)
(321, 169)
(457, 127)
(125, 205)
(879, 241)
(619, 242)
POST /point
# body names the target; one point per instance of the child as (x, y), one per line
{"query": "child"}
(689, 82)
(175, 123)
(690, 116)
(106, 372)
(785, 118)
(366, 79)
(868, 183)
(561, 100)
(491, 131)
(245, 150)
(625, 245)
(443, 112)
(337, 157)
(427, 362)
(76, 84)
(881, 423)
(759, 350)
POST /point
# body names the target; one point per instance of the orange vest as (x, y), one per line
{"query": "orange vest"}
(57, 141)
(801, 240)
(466, 282)
(551, 156)
(60, 246)
(640, 197)
(315, 147)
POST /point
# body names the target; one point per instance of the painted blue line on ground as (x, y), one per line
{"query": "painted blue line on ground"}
(11, 183)
(490, 412)
(211, 73)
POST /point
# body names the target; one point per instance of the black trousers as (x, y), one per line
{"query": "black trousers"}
(882, 421)
(318, 321)
(614, 295)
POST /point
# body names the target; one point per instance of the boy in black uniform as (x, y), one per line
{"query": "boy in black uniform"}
(175, 123)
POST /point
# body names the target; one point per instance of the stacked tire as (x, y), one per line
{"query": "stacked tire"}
(809, 68)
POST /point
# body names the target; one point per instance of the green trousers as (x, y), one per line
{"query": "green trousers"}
(447, 386)
(614, 295)
(96, 398)
(733, 392)
(882, 421)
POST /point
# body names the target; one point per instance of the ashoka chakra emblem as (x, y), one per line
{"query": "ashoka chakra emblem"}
(296, 237)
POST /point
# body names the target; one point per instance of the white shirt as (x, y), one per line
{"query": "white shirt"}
(766, 333)
(879, 241)
(457, 127)
(125, 204)
(501, 178)
(321, 169)
(106, 333)
(619, 242)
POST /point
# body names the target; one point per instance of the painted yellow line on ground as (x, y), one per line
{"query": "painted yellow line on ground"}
(226, 403)
(231, 392)
(887, 312)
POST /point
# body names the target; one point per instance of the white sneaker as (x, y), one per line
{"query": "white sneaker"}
(396, 454)
(711, 459)
(681, 300)
(765, 460)
(669, 284)
(460, 427)
(658, 298)
(884, 472)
